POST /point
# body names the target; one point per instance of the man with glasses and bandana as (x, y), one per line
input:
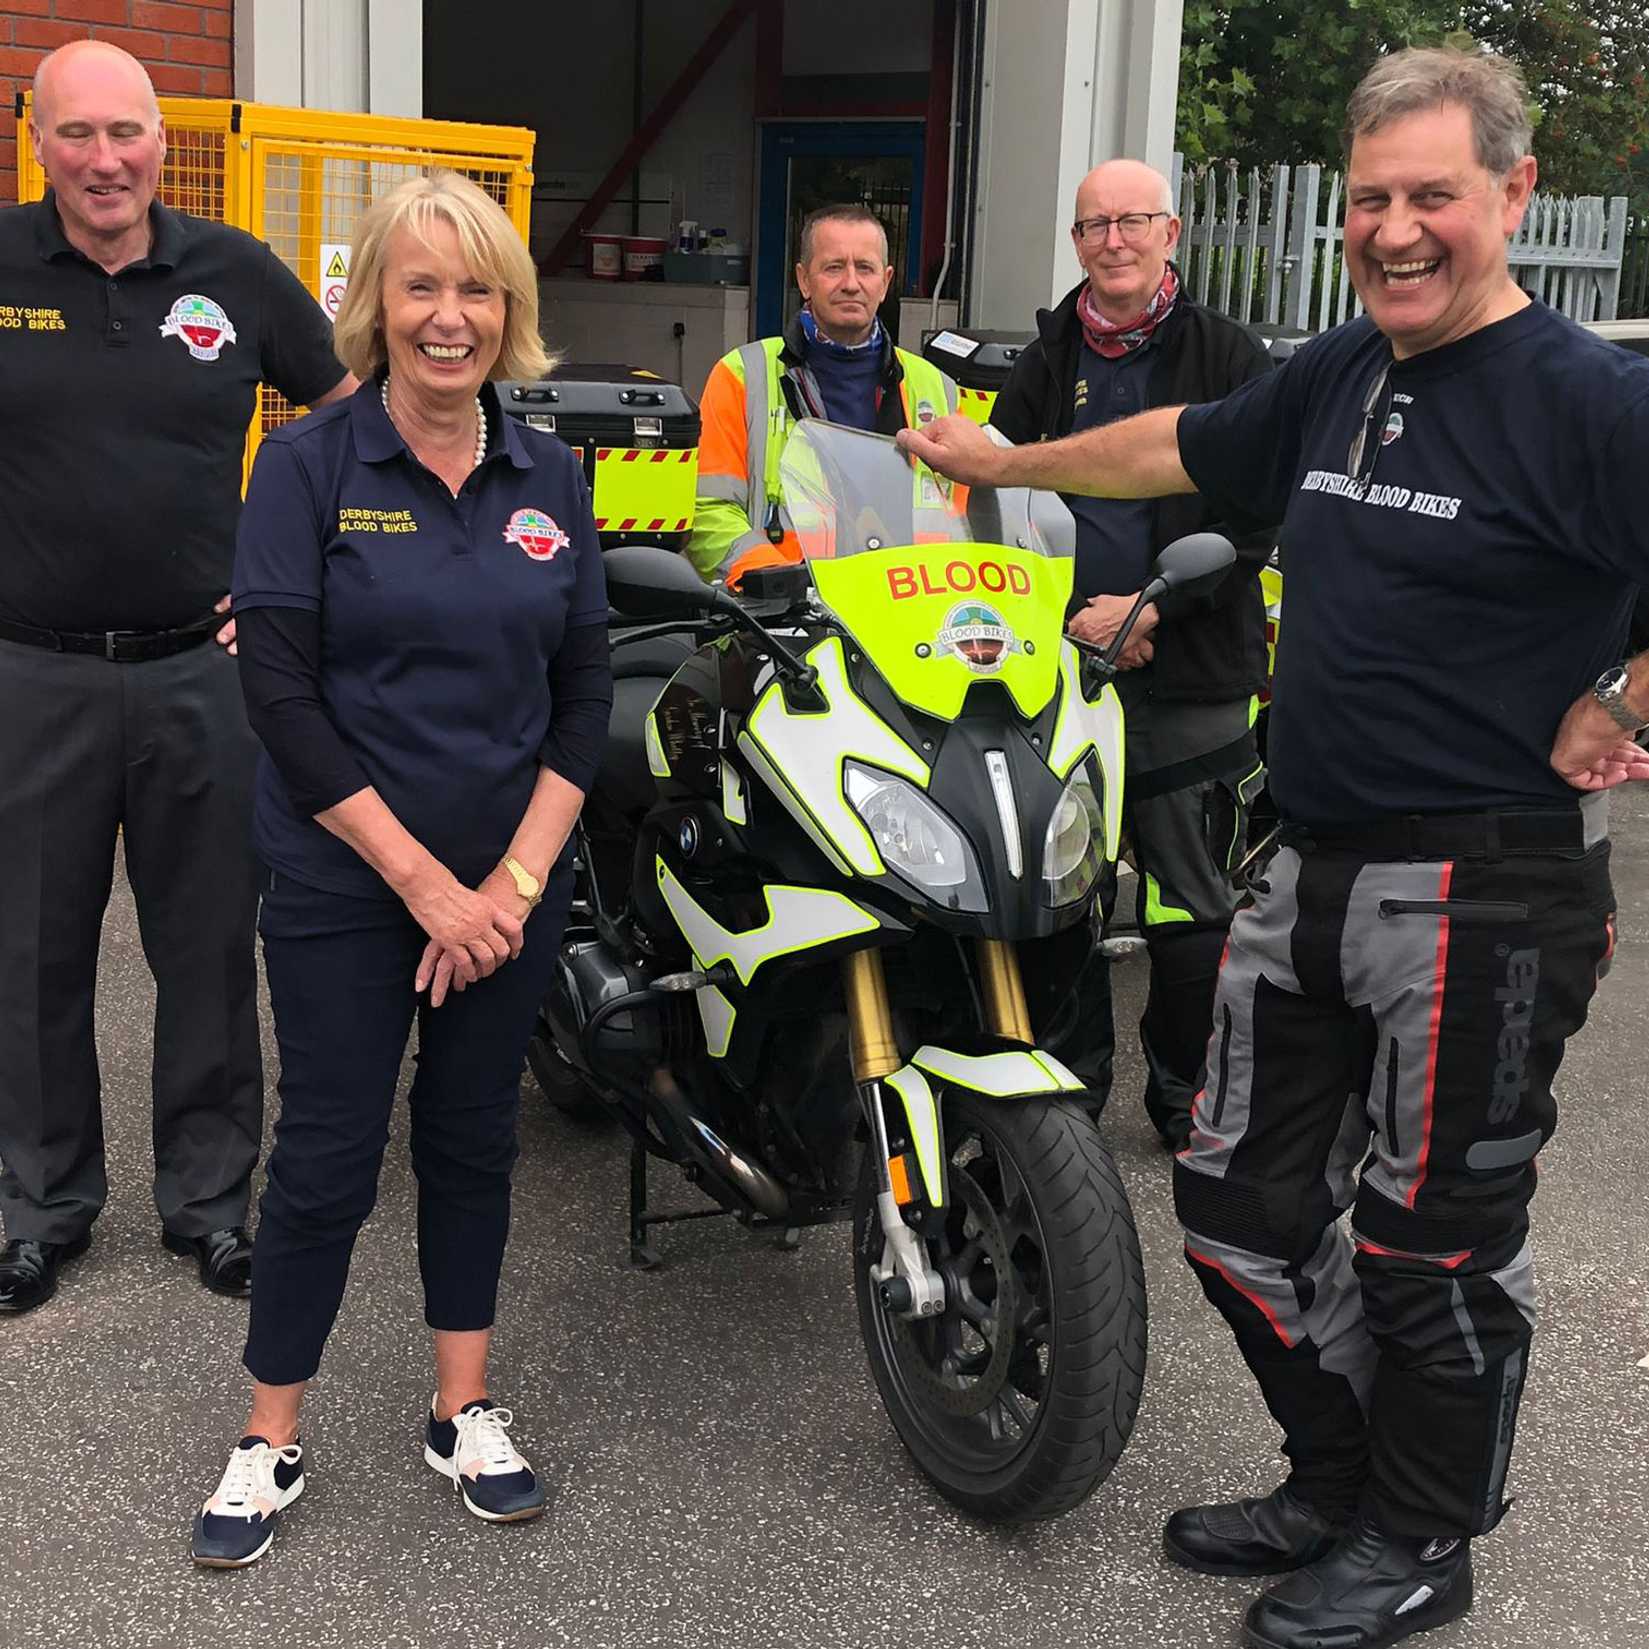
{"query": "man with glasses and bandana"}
(1460, 481)
(1126, 339)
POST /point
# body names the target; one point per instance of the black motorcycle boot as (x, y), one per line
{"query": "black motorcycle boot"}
(1372, 1590)
(1250, 1537)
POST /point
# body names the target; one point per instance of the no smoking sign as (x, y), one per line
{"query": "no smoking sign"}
(334, 281)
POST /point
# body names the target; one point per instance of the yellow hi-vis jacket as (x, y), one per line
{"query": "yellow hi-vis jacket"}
(751, 400)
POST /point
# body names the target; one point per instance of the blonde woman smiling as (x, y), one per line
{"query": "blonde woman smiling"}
(423, 650)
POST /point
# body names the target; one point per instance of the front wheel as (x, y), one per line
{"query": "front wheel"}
(1016, 1401)
(558, 1079)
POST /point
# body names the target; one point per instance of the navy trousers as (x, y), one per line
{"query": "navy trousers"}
(340, 976)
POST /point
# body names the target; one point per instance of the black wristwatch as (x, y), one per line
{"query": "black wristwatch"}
(1610, 692)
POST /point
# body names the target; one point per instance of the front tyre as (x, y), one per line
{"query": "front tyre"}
(559, 1081)
(1018, 1400)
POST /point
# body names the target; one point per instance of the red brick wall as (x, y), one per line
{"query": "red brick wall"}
(185, 47)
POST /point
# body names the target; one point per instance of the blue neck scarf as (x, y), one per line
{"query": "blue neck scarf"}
(817, 340)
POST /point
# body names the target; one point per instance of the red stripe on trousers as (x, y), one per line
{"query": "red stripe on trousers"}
(1436, 1024)
(1253, 1299)
(1449, 1262)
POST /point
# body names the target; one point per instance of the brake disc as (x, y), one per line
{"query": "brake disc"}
(948, 1387)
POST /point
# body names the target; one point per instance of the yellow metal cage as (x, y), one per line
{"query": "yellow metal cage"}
(300, 179)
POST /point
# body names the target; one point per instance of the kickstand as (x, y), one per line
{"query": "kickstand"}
(642, 1255)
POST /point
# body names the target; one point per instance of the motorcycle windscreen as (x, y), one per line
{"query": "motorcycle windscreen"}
(941, 584)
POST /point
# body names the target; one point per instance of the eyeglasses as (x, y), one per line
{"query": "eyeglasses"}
(1132, 226)
(1370, 436)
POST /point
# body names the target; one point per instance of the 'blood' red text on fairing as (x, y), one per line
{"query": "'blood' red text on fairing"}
(960, 578)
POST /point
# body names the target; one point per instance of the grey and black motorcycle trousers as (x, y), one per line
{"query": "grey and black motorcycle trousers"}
(1403, 1016)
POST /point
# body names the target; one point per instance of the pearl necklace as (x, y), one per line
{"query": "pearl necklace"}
(480, 424)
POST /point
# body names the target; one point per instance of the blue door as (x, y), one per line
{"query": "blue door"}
(806, 164)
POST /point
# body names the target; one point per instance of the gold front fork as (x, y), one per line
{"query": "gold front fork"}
(1005, 1011)
(870, 1020)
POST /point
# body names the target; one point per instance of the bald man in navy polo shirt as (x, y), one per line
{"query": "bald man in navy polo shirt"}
(132, 343)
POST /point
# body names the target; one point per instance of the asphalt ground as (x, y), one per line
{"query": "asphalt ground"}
(721, 1471)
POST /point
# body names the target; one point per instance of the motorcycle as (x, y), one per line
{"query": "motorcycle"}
(834, 819)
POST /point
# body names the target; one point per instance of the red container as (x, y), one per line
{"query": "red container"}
(605, 255)
(644, 257)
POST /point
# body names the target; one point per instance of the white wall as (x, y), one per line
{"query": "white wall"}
(1136, 67)
(1065, 84)
(356, 56)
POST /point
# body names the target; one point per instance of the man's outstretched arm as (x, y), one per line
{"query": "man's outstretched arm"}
(1134, 458)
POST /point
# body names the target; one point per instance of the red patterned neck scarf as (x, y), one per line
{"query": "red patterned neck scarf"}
(1109, 339)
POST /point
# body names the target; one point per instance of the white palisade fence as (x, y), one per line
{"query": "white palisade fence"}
(1264, 246)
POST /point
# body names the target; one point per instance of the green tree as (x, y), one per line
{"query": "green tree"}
(1588, 71)
(1263, 81)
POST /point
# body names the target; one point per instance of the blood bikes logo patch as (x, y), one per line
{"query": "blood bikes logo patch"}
(536, 533)
(201, 324)
(979, 636)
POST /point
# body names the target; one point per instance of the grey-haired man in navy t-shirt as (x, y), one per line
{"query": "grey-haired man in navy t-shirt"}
(1464, 510)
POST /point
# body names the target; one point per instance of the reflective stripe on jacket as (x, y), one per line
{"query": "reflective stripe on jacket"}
(746, 412)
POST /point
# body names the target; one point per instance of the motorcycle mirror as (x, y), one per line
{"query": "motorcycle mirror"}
(644, 581)
(1194, 562)
(786, 584)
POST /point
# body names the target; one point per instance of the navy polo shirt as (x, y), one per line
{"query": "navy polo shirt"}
(440, 618)
(124, 405)
(1439, 620)
(1113, 535)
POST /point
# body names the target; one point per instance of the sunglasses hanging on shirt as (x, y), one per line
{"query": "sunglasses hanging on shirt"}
(1366, 444)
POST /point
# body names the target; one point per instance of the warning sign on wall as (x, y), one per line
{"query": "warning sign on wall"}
(334, 276)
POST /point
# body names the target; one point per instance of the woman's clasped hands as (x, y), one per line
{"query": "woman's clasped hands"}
(471, 933)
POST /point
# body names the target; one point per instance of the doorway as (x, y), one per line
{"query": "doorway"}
(806, 164)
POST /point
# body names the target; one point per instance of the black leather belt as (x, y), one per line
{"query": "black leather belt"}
(118, 646)
(1447, 835)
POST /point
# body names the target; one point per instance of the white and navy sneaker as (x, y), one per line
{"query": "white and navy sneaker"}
(474, 1450)
(237, 1524)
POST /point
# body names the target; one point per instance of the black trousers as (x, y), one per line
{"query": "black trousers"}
(340, 976)
(1409, 1017)
(1191, 778)
(159, 755)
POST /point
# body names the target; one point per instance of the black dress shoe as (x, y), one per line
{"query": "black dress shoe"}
(1250, 1537)
(225, 1258)
(28, 1271)
(1371, 1591)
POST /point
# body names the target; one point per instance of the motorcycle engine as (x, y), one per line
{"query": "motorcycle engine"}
(591, 977)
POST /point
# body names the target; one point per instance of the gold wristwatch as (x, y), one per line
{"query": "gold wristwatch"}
(526, 884)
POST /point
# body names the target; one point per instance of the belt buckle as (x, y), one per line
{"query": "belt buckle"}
(111, 644)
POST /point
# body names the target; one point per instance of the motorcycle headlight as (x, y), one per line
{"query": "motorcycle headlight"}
(1073, 851)
(916, 841)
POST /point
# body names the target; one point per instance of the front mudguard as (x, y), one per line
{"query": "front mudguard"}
(1025, 1073)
